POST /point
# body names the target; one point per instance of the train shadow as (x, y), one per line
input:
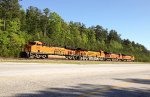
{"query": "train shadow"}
(139, 81)
(89, 90)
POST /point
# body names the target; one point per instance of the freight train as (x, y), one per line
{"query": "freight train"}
(40, 50)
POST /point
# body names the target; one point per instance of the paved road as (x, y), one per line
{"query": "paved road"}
(68, 80)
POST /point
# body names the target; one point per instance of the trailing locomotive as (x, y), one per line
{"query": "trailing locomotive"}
(37, 49)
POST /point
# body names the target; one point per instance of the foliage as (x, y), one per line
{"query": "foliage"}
(18, 26)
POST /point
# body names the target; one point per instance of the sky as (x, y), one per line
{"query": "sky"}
(130, 18)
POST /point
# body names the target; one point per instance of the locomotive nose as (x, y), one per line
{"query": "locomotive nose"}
(27, 48)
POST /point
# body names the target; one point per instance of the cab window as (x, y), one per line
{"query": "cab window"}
(39, 44)
(32, 43)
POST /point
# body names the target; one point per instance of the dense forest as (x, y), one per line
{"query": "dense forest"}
(18, 26)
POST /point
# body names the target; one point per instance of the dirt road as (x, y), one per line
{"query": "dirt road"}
(72, 80)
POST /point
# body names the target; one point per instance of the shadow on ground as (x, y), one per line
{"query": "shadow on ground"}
(89, 90)
(139, 81)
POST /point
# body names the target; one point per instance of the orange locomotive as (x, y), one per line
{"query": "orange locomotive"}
(112, 56)
(37, 49)
(127, 58)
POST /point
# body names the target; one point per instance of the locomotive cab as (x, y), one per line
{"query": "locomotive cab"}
(32, 47)
(133, 58)
(35, 43)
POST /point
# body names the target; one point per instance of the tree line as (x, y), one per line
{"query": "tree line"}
(18, 26)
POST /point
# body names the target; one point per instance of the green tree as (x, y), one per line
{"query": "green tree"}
(33, 15)
(115, 46)
(101, 37)
(23, 26)
(91, 40)
(9, 9)
(55, 29)
(113, 35)
(14, 25)
(45, 21)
